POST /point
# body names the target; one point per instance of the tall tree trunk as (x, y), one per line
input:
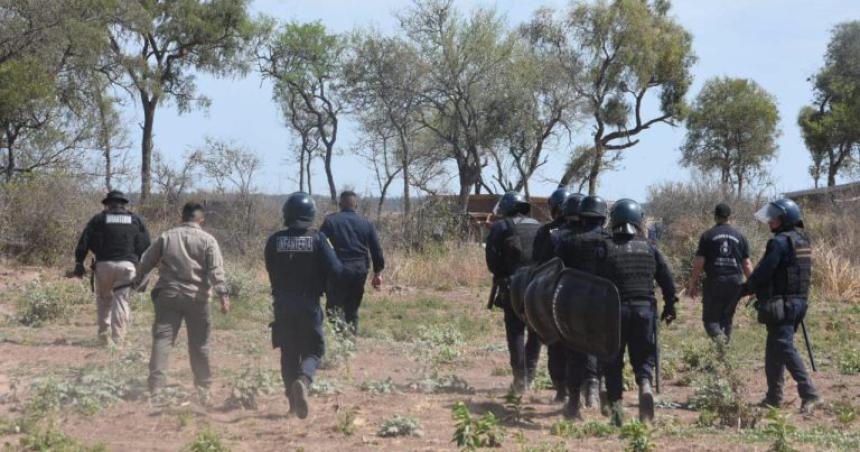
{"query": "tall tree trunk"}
(308, 169)
(832, 170)
(105, 139)
(302, 164)
(10, 162)
(596, 167)
(404, 163)
(740, 174)
(149, 105)
(330, 175)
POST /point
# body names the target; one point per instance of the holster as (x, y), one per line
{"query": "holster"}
(771, 310)
(503, 293)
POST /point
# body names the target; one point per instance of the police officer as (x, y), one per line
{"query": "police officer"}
(582, 246)
(353, 238)
(117, 238)
(509, 247)
(632, 264)
(781, 283)
(298, 260)
(723, 254)
(544, 250)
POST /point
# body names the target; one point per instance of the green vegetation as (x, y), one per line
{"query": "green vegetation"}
(206, 441)
(471, 433)
(638, 436)
(397, 425)
(579, 430)
(248, 386)
(51, 438)
(779, 429)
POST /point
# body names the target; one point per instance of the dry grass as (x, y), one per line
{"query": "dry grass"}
(834, 276)
(446, 265)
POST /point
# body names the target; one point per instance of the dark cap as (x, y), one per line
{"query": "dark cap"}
(723, 210)
(115, 196)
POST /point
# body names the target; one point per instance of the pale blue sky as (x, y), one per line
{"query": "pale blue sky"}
(778, 43)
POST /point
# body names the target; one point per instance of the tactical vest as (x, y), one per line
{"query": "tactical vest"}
(295, 265)
(631, 265)
(114, 235)
(792, 277)
(585, 251)
(518, 249)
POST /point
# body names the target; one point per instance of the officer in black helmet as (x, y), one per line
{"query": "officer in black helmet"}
(633, 264)
(544, 250)
(582, 246)
(299, 260)
(509, 247)
(781, 282)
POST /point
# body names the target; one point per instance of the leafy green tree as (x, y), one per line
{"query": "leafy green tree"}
(622, 54)
(732, 129)
(157, 47)
(464, 58)
(831, 126)
(305, 63)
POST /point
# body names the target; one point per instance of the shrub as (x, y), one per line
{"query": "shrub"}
(386, 386)
(321, 387)
(40, 303)
(346, 421)
(638, 436)
(400, 426)
(718, 392)
(438, 344)
(437, 384)
(589, 429)
(340, 343)
(779, 429)
(849, 362)
(50, 438)
(206, 441)
(515, 411)
(249, 385)
(471, 433)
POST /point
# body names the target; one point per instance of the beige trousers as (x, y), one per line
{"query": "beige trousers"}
(113, 290)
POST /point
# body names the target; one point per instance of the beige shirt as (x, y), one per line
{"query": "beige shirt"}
(189, 263)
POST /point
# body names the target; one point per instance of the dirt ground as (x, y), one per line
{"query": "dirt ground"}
(139, 425)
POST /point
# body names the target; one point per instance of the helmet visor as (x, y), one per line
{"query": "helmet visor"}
(767, 213)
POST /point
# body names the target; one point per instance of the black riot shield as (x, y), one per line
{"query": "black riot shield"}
(538, 300)
(517, 285)
(586, 309)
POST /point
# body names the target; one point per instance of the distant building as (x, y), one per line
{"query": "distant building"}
(838, 194)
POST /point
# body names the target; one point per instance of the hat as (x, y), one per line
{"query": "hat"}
(115, 195)
(723, 210)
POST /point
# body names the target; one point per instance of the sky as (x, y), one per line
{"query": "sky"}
(777, 43)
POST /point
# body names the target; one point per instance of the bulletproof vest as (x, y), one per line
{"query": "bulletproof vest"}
(631, 265)
(518, 248)
(585, 251)
(113, 236)
(792, 277)
(296, 264)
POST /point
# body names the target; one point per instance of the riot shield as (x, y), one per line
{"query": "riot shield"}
(517, 285)
(538, 300)
(586, 309)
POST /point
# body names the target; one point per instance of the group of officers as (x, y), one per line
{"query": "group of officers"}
(304, 263)
(619, 251)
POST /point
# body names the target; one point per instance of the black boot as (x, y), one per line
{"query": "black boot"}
(592, 388)
(299, 399)
(646, 402)
(571, 409)
(560, 393)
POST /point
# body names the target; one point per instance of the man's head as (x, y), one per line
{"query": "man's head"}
(781, 215)
(192, 212)
(348, 200)
(556, 201)
(299, 211)
(510, 204)
(722, 213)
(115, 199)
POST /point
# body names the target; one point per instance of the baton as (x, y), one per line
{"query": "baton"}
(656, 354)
(808, 346)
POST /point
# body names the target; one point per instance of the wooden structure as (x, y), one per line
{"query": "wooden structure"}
(838, 194)
(480, 211)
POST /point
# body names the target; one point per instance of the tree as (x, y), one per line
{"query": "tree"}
(732, 129)
(156, 47)
(620, 54)
(464, 58)
(379, 147)
(831, 126)
(303, 125)
(381, 75)
(304, 62)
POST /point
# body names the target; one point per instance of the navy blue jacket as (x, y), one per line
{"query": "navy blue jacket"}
(298, 262)
(776, 253)
(353, 238)
(544, 248)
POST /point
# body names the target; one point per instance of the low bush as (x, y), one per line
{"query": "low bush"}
(442, 384)
(471, 433)
(248, 386)
(40, 303)
(400, 426)
(51, 438)
(206, 441)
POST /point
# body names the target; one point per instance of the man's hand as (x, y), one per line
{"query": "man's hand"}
(669, 314)
(377, 281)
(79, 270)
(225, 304)
(692, 289)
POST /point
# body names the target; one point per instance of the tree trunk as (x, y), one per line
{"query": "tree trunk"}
(308, 169)
(10, 162)
(149, 106)
(832, 170)
(404, 163)
(329, 175)
(302, 164)
(596, 167)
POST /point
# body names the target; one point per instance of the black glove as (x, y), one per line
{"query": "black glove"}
(668, 314)
(79, 270)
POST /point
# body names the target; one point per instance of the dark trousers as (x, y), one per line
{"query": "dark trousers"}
(557, 363)
(298, 332)
(780, 353)
(579, 367)
(170, 310)
(719, 302)
(524, 351)
(637, 336)
(344, 294)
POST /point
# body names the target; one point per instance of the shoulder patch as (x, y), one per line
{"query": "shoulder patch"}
(117, 219)
(295, 244)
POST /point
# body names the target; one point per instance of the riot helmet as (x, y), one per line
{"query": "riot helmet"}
(786, 210)
(592, 207)
(512, 203)
(299, 210)
(556, 200)
(625, 217)
(570, 208)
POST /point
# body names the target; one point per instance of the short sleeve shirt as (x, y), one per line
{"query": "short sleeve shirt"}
(724, 249)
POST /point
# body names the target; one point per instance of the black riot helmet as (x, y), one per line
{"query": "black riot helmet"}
(785, 209)
(557, 199)
(299, 210)
(625, 217)
(570, 208)
(512, 203)
(592, 207)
